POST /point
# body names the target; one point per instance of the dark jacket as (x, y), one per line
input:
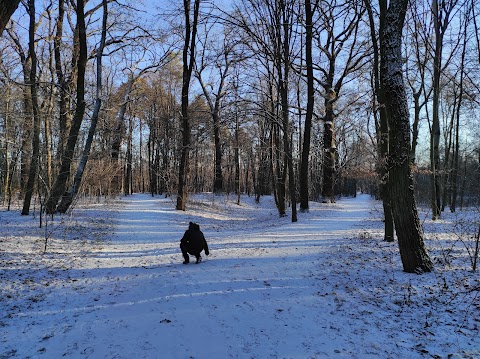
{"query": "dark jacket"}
(193, 240)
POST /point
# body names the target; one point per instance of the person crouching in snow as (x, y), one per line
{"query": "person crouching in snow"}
(193, 242)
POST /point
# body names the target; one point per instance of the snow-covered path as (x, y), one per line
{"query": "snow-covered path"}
(324, 287)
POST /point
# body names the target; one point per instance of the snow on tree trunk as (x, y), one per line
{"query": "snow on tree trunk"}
(407, 223)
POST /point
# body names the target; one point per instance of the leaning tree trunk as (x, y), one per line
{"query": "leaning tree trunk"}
(407, 223)
(68, 197)
(36, 115)
(67, 157)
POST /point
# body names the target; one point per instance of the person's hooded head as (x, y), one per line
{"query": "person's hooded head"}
(193, 226)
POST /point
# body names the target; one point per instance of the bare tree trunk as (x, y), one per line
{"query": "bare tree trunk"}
(278, 175)
(36, 116)
(447, 164)
(63, 83)
(6, 125)
(214, 103)
(435, 135)
(454, 185)
(189, 45)
(237, 156)
(6, 11)
(413, 253)
(116, 184)
(163, 183)
(142, 178)
(286, 21)
(47, 122)
(61, 181)
(381, 126)
(329, 149)
(422, 59)
(304, 164)
(151, 162)
(441, 19)
(68, 197)
(26, 146)
(128, 176)
(416, 121)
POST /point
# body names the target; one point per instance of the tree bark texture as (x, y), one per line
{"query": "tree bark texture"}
(407, 223)
(35, 110)
(60, 184)
(69, 196)
(189, 46)
(64, 85)
(6, 11)
(284, 90)
(440, 23)
(304, 165)
(381, 124)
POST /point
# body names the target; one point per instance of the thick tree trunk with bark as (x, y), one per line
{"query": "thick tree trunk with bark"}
(68, 197)
(407, 223)
(59, 186)
(64, 84)
(35, 110)
(7, 9)
(284, 89)
(304, 165)
(381, 124)
(189, 46)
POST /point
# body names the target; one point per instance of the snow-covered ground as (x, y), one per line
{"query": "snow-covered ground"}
(112, 284)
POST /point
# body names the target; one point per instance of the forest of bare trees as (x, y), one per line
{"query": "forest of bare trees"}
(305, 100)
